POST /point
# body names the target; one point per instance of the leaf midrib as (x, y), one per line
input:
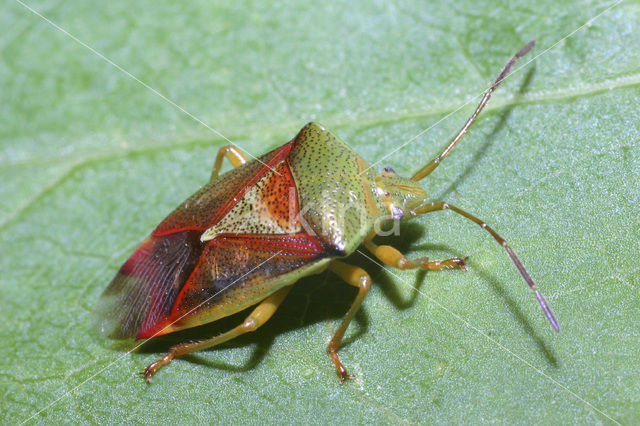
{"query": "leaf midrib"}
(360, 121)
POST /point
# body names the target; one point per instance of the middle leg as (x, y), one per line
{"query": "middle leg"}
(357, 277)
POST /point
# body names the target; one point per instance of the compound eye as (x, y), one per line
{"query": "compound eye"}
(396, 213)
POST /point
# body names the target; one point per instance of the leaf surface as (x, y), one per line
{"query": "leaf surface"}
(91, 160)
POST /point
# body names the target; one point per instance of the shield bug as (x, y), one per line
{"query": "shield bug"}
(247, 236)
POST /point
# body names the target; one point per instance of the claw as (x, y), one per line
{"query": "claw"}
(453, 263)
(344, 375)
(146, 375)
(340, 368)
(153, 367)
(462, 262)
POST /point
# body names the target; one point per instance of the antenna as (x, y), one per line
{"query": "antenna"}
(431, 166)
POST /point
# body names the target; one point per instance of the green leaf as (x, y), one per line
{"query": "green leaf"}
(91, 160)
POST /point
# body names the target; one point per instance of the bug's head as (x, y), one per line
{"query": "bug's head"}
(399, 194)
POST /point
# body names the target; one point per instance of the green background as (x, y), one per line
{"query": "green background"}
(91, 161)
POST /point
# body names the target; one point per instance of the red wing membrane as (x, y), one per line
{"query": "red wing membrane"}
(147, 284)
(207, 206)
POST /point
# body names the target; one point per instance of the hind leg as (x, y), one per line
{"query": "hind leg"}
(258, 317)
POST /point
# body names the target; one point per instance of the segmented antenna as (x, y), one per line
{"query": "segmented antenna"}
(441, 205)
(431, 166)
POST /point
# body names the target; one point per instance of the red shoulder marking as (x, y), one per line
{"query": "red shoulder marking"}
(280, 197)
(281, 154)
(213, 201)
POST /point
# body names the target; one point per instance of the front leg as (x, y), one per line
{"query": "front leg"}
(392, 257)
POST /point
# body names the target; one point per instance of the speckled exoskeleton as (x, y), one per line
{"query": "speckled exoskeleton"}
(247, 236)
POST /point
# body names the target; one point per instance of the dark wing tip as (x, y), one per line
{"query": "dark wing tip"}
(117, 314)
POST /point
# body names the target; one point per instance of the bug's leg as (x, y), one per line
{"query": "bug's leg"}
(233, 154)
(441, 205)
(258, 317)
(392, 257)
(357, 277)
